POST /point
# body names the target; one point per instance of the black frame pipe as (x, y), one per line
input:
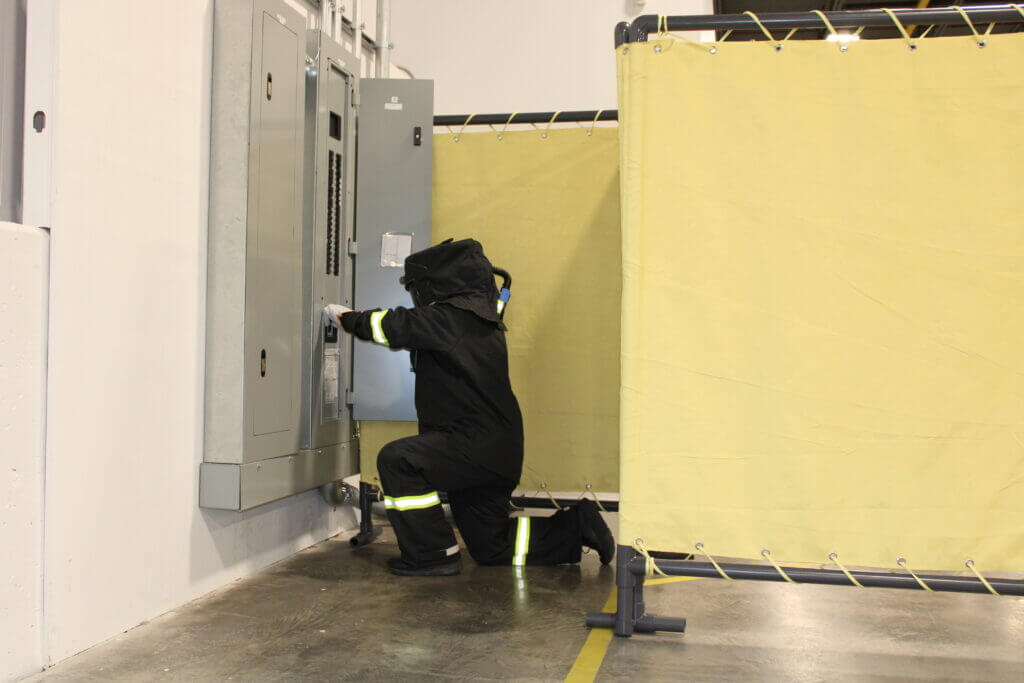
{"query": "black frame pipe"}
(581, 116)
(832, 577)
(631, 571)
(643, 26)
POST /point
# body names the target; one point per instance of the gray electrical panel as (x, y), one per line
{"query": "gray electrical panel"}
(331, 83)
(393, 207)
(275, 424)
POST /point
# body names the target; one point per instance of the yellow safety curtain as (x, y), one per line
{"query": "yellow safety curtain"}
(545, 205)
(823, 335)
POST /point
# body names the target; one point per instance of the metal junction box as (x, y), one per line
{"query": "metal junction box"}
(269, 433)
(396, 118)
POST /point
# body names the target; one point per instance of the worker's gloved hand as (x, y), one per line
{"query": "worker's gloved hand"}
(332, 314)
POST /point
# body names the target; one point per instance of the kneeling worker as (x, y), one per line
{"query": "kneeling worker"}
(470, 441)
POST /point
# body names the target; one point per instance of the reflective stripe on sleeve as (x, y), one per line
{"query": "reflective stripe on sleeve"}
(377, 327)
(522, 541)
(420, 502)
(501, 307)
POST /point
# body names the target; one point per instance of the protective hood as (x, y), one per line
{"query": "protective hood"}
(455, 273)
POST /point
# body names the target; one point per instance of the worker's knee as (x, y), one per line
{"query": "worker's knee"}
(390, 458)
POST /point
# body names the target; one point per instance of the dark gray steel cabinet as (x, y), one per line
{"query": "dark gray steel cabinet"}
(393, 207)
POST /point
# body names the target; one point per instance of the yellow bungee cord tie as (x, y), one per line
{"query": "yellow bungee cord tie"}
(767, 554)
(1017, 7)
(978, 38)
(501, 134)
(650, 568)
(699, 545)
(553, 117)
(663, 33)
(766, 32)
(843, 47)
(544, 488)
(589, 488)
(903, 30)
(834, 557)
(902, 561)
(466, 123)
(970, 565)
(589, 133)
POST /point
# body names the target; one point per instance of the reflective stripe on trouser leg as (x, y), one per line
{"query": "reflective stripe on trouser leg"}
(522, 541)
(422, 532)
(419, 502)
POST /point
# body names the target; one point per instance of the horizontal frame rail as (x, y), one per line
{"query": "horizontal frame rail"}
(526, 117)
(832, 577)
(643, 26)
(630, 615)
(547, 503)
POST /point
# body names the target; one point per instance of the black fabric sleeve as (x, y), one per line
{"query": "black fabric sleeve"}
(434, 328)
(350, 320)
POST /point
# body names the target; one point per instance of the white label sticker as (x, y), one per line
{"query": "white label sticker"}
(329, 408)
(394, 247)
(393, 106)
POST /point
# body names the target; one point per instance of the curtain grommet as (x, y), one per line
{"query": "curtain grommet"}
(657, 49)
(713, 50)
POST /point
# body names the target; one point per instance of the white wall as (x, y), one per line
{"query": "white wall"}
(23, 263)
(489, 56)
(125, 539)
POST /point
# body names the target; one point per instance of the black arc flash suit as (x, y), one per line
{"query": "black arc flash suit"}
(470, 441)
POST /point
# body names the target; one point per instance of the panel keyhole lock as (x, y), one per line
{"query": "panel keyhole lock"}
(417, 136)
(263, 363)
(39, 121)
(270, 85)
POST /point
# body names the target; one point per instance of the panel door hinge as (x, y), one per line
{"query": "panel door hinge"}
(350, 397)
(355, 97)
(353, 247)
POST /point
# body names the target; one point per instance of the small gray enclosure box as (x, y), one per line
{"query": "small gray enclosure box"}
(393, 208)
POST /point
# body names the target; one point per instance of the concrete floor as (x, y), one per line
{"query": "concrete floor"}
(333, 613)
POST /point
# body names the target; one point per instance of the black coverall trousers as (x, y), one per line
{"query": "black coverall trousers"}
(413, 471)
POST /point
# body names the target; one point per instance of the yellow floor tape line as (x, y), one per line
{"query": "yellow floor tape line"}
(588, 662)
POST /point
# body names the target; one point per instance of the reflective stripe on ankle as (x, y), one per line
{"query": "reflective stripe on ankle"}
(522, 541)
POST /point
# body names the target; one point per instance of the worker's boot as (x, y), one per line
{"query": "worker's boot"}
(595, 532)
(447, 567)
